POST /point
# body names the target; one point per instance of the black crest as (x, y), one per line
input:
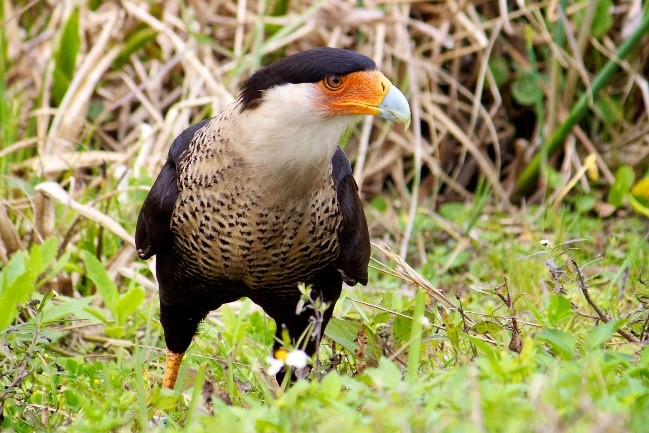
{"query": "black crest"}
(305, 67)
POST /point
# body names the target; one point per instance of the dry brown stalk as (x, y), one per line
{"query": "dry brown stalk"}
(602, 316)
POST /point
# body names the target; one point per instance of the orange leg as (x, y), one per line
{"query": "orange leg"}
(172, 365)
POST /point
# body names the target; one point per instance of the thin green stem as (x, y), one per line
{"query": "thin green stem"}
(414, 354)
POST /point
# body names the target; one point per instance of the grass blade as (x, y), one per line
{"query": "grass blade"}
(528, 176)
(66, 57)
(414, 354)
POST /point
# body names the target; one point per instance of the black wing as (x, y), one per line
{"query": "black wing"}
(353, 236)
(153, 223)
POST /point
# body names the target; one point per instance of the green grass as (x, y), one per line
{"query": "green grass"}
(545, 320)
(573, 371)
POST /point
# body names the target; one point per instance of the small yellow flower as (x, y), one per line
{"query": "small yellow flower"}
(280, 354)
(639, 196)
(591, 167)
(641, 189)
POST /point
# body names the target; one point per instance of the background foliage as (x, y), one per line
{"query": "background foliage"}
(508, 290)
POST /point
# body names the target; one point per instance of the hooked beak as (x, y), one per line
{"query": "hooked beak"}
(394, 107)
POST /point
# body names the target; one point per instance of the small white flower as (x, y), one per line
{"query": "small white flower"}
(297, 359)
(425, 323)
(274, 365)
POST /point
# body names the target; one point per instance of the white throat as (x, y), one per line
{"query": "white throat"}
(290, 142)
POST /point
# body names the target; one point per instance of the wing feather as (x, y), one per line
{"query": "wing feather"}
(353, 235)
(153, 223)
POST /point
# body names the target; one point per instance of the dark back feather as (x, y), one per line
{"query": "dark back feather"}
(353, 235)
(153, 223)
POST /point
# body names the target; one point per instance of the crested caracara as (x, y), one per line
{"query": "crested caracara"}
(260, 198)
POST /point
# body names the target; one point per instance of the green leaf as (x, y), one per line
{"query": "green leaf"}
(562, 343)
(603, 18)
(128, 303)
(526, 88)
(66, 56)
(45, 301)
(379, 203)
(401, 327)
(584, 203)
(15, 288)
(554, 178)
(47, 250)
(114, 331)
(624, 177)
(134, 42)
(331, 385)
(486, 327)
(484, 348)
(14, 269)
(343, 332)
(35, 260)
(644, 358)
(559, 311)
(18, 278)
(54, 269)
(452, 330)
(601, 334)
(459, 260)
(386, 375)
(92, 312)
(41, 257)
(69, 44)
(105, 286)
(610, 109)
(499, 69)
(67, 307)
(453, 211)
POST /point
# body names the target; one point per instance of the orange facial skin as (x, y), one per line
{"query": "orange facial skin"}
(356, 93)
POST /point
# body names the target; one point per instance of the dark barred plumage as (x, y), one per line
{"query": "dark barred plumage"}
(229, 230)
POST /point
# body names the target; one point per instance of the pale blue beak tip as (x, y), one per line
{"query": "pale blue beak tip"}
(395, 107)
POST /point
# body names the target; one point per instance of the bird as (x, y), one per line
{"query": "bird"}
(260, 198)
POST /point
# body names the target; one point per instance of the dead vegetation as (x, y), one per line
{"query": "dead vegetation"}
(92, 93)
(96, 91)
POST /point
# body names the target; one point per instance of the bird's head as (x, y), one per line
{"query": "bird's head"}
(325, 83)
(293, 112)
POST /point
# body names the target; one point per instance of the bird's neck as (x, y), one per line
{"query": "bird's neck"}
(290, 153)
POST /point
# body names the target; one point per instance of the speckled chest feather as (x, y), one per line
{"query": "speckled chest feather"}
(228, 226)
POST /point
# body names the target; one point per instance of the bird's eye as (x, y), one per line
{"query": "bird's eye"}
(333, 82)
